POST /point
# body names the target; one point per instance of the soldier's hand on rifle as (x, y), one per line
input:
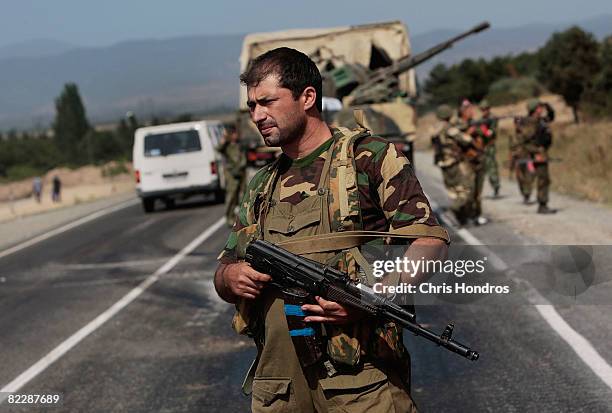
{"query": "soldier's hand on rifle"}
(243, 281)
(331, 312)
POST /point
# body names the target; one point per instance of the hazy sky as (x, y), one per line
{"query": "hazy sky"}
(103, 22)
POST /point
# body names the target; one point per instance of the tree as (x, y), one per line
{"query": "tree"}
(70, 126)
(568, 62)
(598, 98)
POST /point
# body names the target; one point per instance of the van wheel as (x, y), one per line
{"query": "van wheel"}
(170, 203)
(148, 204)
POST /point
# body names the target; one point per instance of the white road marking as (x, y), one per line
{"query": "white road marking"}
(68, 227)
(96, 323)
(581, 346)
(117, 264)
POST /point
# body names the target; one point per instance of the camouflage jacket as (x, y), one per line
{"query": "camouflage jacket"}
(528, 139)
(452, 145)
(390, 196)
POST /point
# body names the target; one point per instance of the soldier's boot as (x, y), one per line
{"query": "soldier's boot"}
(460, 217)
(496, 192)
(526, 199)
(544, 209)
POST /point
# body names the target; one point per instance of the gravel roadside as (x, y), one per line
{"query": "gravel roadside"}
(577, 222)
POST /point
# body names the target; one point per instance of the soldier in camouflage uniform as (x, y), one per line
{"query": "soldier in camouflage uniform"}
(488, 127)
(530, 152)
(458, 174)
(235, 163)
(475, 156)
(326, 181)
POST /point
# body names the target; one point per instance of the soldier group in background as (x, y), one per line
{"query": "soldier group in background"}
(464, 149)
(529, 151)
(235, 165)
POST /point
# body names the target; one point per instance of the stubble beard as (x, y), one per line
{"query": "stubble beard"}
(294, 131)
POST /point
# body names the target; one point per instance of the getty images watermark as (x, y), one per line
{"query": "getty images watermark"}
(412, 268)
(554, 274)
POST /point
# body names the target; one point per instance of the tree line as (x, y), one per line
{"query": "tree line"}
(73, 141)
(572, 64)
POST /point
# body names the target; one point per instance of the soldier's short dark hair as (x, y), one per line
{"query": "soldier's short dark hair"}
(294, 69)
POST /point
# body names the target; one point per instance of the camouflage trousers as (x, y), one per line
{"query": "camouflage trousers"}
(460, 182)
(491, 169)
(527, 172)
(234, 187)
(282, 385)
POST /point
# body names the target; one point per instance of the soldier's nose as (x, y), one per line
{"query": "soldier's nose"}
(258, 114)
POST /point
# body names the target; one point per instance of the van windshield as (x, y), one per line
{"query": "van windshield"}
(164, 144)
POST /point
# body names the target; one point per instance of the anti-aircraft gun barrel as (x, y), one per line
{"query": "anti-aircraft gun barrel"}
(380, 84)
(409, 62)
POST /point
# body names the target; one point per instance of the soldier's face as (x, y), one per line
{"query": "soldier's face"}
(279, 117)
(539, 111)
(467, 112)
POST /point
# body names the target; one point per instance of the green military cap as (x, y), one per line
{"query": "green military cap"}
(532, 104)
(484, 104)
(444, 112)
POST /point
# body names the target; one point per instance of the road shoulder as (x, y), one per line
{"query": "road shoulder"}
(25, 228)
(577, 222)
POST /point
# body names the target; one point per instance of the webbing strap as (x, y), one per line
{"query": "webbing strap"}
(364, 264)
(344, 166)
(343, 193)
(349, 239)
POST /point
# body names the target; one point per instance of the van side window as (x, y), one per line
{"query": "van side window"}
(164, 144)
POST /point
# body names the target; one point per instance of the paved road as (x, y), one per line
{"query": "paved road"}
(172, 349)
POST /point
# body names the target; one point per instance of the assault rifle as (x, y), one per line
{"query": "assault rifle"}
(488, 121)
(289, 271)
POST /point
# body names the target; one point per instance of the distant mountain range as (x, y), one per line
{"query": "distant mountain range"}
(187, 74)
(35, 48)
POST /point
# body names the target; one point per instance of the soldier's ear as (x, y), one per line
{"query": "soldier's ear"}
(309, 96)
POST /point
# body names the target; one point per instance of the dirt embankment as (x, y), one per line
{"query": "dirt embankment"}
(582, 152)
(78, 185)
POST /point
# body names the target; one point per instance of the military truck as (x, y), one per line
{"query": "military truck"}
(367, 67)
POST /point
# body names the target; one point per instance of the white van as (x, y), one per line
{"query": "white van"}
(178, 160)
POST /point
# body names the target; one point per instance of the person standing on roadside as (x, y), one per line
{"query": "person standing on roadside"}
(327, 180)
(475, 155)
(488, 127)
(530, 152)
(235, 164)
(37, 188)
(450, 145)
(56, 193)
